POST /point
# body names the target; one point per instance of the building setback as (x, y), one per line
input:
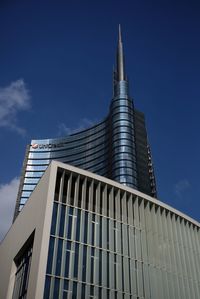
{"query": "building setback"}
(116, 148)
(81, 235)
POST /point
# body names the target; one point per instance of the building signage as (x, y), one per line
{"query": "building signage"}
(47, 146)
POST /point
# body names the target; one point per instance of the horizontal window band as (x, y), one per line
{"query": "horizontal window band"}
(121, 117)
(71, 146)
(119, 165)
(125, 171)
(54, 141)
(101, 157)
(122, 109)
(94, 143)
(119, 156)
(123, 134)
(66, 154)
(126, 181)
(122, 99)
(123, 130)
(127, 177)
(124, 138)
(122, 103)
(37, 167)
(98, 170)
(117, 125)
(122, 122)
(28, 181)
(30, 184)
(47, 164)
(124, 158)
(122, 114)
(118, 149)
(124, 167)
(93, 166)
(35, 172)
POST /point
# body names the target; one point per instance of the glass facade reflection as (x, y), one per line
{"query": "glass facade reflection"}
(107, 242)
(116, 148)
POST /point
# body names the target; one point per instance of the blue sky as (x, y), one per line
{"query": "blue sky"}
(56, 60)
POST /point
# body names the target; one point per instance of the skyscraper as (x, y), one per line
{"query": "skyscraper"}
(116, 148)
(82, 235)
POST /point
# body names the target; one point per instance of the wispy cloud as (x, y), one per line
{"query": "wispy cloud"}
(83, 124)
(13, 99)
(181, 186)
(8, 195)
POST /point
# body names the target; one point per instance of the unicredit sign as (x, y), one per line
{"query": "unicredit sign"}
(47, 146)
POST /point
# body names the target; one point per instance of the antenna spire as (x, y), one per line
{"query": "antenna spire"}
(120, 34)
(120, 58)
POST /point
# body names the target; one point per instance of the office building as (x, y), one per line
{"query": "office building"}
(81, 235)
(91, 226)
(116, 148)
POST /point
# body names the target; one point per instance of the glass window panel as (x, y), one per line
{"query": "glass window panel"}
(62, 220)
(28, 187)
(84, 268)
(100, 267)
(78, 221)
(26, 194)
(31, 181)
(86, 227)
(54, 219)
(56, 288)
(50, 255)
(76, 259)
(70, 220)
(67, 260)
(65, 289)
(36, 174)
(36, 167)
(47, 287)
(59, 257)
(74, 292)
(80, 190)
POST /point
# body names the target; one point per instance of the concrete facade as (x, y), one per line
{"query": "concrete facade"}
(35, 217)
(123, 243)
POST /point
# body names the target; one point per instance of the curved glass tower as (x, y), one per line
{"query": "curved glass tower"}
(123, 154)
(116, 148)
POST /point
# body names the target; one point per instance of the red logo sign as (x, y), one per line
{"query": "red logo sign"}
(35, 145)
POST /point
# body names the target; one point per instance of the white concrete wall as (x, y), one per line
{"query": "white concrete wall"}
(36, 215)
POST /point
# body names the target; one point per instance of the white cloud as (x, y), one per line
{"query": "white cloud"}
(13, 99)
(181, 187)
(8, 195)
(83, 124)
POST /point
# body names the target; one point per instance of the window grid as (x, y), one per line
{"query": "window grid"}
(134, 247)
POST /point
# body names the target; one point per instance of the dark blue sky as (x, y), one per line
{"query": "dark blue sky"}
(64, 52)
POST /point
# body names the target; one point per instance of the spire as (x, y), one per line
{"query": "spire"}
(120, 58)
(120, 34)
